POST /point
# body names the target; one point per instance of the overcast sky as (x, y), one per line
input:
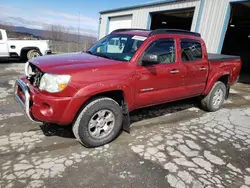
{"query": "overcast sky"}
(40, 14)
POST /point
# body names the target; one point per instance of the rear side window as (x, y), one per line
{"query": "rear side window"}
(1, 38)
(190, 50)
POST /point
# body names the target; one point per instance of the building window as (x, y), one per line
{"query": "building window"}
(191, 50)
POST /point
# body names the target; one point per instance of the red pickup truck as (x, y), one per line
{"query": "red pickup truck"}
(126, 70)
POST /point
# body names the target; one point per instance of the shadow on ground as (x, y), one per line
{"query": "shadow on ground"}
(57, 130)
(244, 78)
(163, 110)
(136, 116)
(10, 60)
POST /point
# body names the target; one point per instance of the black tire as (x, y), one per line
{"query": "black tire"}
(80, 126)
(33, 54)
(207, 101)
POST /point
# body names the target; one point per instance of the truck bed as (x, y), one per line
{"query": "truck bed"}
(221, 57)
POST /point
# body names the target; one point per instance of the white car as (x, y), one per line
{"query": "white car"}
(24, 49)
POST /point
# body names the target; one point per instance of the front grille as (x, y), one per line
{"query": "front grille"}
(34, 74)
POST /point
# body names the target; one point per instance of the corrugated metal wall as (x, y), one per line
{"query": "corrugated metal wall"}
(209, 19)
(212, 22)
(141, 15)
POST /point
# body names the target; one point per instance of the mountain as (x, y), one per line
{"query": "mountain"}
(46, 34)
(35, 32)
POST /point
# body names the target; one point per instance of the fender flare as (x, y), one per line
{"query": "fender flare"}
(211, 81)
(27, 48)
(107, 86)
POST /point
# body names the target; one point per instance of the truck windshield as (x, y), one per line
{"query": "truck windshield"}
(119, 47)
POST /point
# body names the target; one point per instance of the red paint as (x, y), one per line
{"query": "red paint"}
(93, 75)
(219, 69)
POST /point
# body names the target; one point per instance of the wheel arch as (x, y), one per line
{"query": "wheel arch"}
(110, 88)
(25, 50)
(117, 95)
(224, 78)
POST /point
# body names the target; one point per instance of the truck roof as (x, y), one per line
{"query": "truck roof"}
(146, 32)
(140, 32)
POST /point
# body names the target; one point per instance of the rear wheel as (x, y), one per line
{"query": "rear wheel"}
(216, 97)
(99, 122)
(33, 54)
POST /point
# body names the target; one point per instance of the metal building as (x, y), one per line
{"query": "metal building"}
(223, 24)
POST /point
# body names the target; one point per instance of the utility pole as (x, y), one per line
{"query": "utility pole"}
(68, 33)
(78, 34)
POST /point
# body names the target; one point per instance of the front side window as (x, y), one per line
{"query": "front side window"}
(119, 47)
(1, 38)
(191, 50)
(164, 49)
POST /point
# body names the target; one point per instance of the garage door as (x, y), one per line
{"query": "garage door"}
(119, 22)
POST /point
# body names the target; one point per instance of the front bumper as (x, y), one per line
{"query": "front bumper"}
(24, 99)
(41, 107)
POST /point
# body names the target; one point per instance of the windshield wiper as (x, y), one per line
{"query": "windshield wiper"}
(89, 52)
(102, 55)
(98, 54)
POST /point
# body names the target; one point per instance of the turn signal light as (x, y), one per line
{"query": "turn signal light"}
(62, 86)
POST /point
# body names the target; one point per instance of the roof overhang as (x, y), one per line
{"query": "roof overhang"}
(139, 6)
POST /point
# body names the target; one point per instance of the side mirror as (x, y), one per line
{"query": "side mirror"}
(150, 59)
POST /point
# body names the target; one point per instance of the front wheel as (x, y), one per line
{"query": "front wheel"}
(99, 122)
(216, 97)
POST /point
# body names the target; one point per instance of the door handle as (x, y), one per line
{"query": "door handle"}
(203, 68)
(174, 71)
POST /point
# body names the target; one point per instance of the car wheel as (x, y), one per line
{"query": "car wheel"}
(216, 97)
(33, 54)
(99, 122)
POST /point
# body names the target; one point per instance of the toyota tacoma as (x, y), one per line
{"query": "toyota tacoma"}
(94, 91)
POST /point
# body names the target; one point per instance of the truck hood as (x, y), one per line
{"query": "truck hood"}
(65, 63)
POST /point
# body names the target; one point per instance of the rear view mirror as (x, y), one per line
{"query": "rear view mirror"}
(150, 59)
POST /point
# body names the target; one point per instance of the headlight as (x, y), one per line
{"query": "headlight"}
(54, 83)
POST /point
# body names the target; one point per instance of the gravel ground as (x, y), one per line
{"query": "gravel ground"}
(172, 145)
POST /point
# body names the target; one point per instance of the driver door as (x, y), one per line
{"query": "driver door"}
(159, 82)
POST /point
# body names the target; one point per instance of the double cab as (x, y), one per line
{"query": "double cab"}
(24, 49)
(94, 91)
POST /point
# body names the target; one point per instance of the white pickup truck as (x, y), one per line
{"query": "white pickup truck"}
(23, 49)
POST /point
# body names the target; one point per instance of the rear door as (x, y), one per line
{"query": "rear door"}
(3, 46)
(162, 82)
(195, 64)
